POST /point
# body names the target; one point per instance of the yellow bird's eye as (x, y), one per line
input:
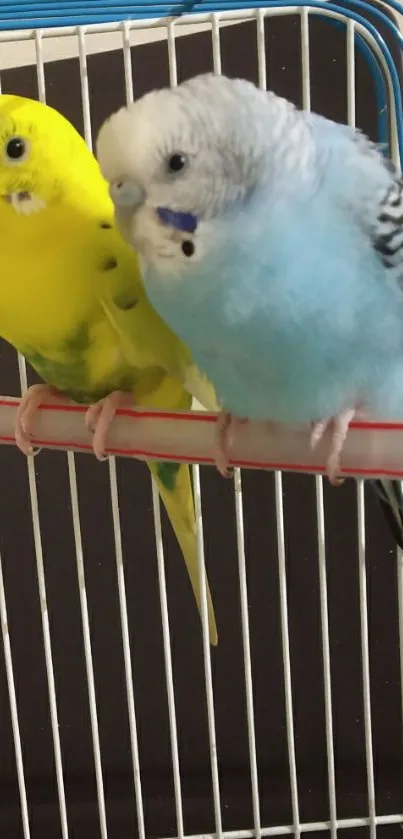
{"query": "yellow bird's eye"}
(16, 150)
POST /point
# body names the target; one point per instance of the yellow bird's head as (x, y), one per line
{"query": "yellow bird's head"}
(42, 156)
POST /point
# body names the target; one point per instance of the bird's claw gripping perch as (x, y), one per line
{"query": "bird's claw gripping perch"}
(29, 404)
(340, 429)
(99, 417)
(224, 444)
(226, 425)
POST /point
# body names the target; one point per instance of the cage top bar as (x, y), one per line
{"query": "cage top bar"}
(60, 7)
(52, 13)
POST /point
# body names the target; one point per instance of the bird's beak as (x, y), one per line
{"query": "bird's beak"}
(126, 194)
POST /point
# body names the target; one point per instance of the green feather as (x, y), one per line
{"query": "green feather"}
(167, 473)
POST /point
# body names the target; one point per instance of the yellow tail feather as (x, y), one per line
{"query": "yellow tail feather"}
(179, 505)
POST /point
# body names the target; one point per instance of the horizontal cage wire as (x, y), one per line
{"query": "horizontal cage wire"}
(117, 717)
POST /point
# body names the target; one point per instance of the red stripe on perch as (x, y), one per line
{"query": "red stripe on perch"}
(372, 449)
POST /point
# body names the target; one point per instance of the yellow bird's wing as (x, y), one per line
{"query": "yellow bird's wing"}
(149, 345)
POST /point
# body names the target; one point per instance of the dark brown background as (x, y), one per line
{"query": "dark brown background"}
(106, 79)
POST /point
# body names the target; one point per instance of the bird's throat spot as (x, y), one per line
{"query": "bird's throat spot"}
(188, 248)
(109, 264)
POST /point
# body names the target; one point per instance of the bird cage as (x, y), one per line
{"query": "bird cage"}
(117, 719)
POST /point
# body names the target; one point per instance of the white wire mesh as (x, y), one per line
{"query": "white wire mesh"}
(258, 754)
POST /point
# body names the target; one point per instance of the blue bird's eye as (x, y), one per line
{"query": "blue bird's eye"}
(177, 162)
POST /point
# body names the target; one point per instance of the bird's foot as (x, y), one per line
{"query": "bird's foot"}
(29, 404)
(99, 417)
(226, 425)
(340, 429)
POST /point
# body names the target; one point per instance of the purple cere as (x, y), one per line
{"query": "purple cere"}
(185, 222)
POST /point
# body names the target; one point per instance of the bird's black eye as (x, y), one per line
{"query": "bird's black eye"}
(16, 148)
(176, 162)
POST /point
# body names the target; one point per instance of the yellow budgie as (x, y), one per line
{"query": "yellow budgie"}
(72, 302)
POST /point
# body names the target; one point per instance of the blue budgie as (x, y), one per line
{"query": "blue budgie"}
(272, 243)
